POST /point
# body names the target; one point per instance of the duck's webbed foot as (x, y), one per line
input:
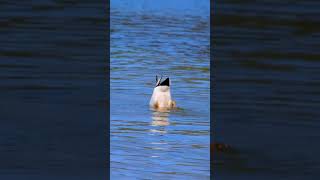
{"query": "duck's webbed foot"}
(173, 104)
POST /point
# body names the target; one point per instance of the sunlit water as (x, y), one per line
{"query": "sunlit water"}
(146, 144)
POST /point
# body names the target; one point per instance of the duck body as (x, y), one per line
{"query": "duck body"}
(161, 96)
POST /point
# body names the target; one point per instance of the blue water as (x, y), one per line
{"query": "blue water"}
(172, 7)
(159, 145)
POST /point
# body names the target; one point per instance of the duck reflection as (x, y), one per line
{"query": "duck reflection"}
(160, 121)
(160, 118)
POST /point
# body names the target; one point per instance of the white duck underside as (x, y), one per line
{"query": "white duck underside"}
(161, 98)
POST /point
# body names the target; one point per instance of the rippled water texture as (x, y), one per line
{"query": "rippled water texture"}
(266, 99)
(52, 90)
(159, 145)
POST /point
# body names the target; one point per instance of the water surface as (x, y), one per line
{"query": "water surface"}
(146, 144)
(53, 90)
(266, 94)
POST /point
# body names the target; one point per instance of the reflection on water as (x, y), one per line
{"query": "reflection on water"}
(159, 144)
(160, 118)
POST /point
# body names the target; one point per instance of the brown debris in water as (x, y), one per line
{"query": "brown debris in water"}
(220, 147)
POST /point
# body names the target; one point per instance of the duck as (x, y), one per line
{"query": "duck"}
(161, 96)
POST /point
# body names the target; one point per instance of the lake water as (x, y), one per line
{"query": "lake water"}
(156, 145)
(266, 94)
(53, 90)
